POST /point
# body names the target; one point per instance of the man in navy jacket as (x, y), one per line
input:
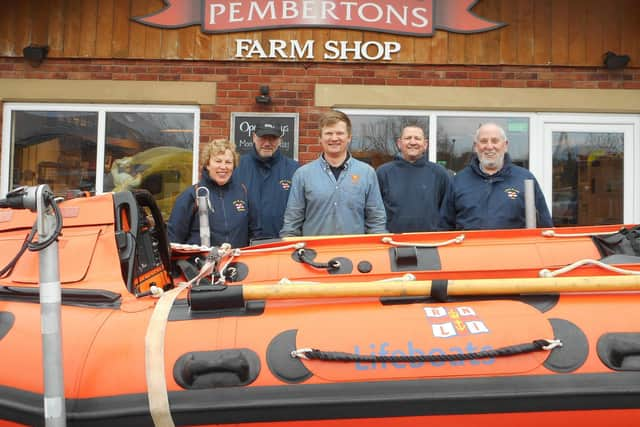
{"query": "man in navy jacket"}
(413, 188)
(267, 174)
(489, 192)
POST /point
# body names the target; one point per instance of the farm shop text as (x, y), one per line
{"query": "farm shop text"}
(333, 49)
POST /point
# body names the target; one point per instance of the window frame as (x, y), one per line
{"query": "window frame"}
(101, 110)
(629, 125)
(432, 117)
(540, 150)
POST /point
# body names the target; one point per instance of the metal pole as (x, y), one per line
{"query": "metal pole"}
(204, 206)
(50, 317)
(529, 204)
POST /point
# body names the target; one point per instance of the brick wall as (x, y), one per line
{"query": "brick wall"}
(292, 84)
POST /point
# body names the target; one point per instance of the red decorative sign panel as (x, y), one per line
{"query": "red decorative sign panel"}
(409, 17)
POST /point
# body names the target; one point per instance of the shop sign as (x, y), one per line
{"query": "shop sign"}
(418, 18)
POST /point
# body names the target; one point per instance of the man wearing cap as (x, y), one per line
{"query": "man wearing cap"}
(267, 174)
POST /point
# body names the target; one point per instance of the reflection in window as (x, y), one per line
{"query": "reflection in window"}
(152, 151)
(455, 139)
(143, 150)
(374, 137)
(57, 148)
(587, 178)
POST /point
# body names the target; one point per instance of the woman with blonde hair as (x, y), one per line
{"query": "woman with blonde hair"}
(232, 217)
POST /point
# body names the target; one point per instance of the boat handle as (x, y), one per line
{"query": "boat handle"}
(332, 264)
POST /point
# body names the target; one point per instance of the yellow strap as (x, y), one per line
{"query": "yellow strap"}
(154, 358)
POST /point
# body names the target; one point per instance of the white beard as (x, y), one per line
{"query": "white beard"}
(494, 164)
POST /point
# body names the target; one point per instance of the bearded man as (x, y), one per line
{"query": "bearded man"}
(489, 192)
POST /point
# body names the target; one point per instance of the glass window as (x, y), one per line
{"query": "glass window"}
(151, 151)
(65, 147)
(588, 179)
(455, 139)
(57, 148)
(374, 136)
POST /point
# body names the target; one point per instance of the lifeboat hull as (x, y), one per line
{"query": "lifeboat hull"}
(225, 357)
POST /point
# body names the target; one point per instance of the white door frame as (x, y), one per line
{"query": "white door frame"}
(603, 123)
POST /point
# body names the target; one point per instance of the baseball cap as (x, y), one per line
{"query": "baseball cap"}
(266, 128)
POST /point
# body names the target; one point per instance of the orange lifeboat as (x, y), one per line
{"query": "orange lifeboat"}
(495, 328)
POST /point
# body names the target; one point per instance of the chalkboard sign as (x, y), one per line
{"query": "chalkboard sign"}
(243, 125)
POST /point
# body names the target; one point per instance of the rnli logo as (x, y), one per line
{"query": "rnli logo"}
(240, 205)
(454, 321)
(285, 184)
(512, 193)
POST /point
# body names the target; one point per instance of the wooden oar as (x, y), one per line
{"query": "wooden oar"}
(454, 288)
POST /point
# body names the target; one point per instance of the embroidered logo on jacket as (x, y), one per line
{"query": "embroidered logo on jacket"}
(240, 205)
(355, 178)
(512, 193)
(285, 184)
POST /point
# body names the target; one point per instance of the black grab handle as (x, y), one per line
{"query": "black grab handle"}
(332, 264)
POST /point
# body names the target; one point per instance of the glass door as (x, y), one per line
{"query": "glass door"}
(589, 173)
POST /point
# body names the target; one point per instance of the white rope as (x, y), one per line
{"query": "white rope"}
(548, 273)
(298, 245)
(389, 240)
(285, 281)
(183, 247)
(552, 233)
(406, 278)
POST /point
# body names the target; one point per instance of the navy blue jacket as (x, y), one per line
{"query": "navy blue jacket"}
(413, 194)
(268, 181)
(481, 201)
(233, 221)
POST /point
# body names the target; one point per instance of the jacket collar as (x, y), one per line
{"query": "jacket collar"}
(344, 165)
(206, 179)
(418, 163)
(267, 162)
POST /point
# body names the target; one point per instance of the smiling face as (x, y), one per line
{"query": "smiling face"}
(335, 139)
(266, 145)
(412, 143)
(220, 167)
(490, 145)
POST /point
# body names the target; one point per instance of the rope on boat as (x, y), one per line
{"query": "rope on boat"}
(405, 278)
(298, 245)
(189, 248)
(457, 239)
(553, 233)
(237, 252)
(548, 273)
(338, 356)
(286, 282)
